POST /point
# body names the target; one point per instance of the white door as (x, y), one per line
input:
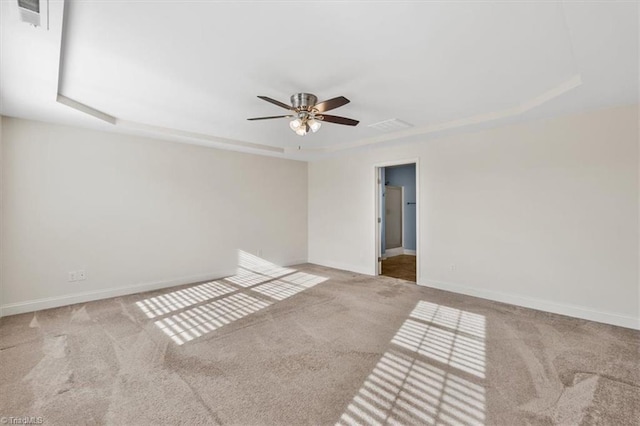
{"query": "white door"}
(393, 217)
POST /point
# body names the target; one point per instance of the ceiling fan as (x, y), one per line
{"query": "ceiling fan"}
(307, 114)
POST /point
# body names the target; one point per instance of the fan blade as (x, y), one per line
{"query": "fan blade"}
(331, 104)
(339, 120)
(269, 118)
(273, 101)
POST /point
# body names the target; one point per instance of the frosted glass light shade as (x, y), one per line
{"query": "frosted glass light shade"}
(315, 125)
(295, 124)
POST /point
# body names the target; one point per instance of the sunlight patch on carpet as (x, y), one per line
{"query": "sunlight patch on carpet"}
(432, 374)
(187, 314)
(200, 320)
(176, 300)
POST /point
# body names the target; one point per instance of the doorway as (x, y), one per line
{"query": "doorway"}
(397, 219)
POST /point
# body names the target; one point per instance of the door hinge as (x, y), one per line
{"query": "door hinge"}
(379, 259)
(379, 220)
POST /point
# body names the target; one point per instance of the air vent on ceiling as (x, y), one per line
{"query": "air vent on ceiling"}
(390, 125)
(35, 12)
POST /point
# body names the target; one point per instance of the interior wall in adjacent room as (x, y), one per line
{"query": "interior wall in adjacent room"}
(405, 176)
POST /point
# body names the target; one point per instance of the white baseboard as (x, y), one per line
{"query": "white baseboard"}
(539, 304)
(295, 262)
(88, 296)
(342, 266)
(397, 252)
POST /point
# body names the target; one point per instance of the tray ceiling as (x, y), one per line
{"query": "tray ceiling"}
(192, 72)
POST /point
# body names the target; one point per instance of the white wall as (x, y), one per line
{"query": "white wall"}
(541, 214)
(1, 214)
(136, 213)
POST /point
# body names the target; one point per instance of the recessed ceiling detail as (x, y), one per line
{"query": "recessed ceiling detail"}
(448, 66)
(524, 107)
(572, 83)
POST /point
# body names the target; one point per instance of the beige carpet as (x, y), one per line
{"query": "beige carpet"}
(313, 345)
(402, 266)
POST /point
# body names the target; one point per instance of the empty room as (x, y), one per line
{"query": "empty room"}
(319, 212)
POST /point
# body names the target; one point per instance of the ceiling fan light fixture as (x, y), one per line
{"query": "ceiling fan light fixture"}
(308, 114)
(314, 125)
(295, 124)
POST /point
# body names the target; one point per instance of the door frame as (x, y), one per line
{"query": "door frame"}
(377, 263)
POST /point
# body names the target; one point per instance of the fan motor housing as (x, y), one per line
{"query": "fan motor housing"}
(303, 101)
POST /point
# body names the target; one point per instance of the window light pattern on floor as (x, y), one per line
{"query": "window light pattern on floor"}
(187, 314)
(455, 319)
(305, 280)
(176, 300)
(432, 374)
(260, 266)
(405, 390)
(448, 335)
(200, 320)
(247, 278)
(253, 270)
(295, 283)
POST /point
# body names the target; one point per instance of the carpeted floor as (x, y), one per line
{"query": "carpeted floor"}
(314, 345)
(402, 266)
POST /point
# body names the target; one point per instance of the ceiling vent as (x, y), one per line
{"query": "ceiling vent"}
(390, 125)
(35, 12)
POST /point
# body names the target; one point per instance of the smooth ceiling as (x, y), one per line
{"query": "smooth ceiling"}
(198, 66)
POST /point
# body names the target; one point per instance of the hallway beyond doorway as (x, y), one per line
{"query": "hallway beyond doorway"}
(397, 217)
(402, 266)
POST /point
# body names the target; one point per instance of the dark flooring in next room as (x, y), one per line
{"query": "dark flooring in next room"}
(314, 345)
(402, 266)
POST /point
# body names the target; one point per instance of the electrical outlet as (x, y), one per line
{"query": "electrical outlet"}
(453, 267)
(78, 275)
